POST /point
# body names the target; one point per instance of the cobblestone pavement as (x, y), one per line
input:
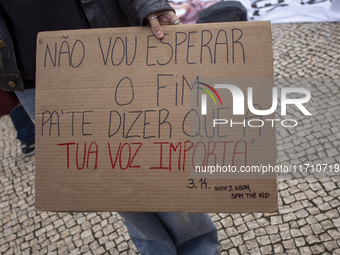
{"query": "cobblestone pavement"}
(308, 221)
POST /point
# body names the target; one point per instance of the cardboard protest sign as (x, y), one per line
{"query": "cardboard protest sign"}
(125, 122)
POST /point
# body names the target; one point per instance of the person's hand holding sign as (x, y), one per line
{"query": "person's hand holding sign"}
(157, 19)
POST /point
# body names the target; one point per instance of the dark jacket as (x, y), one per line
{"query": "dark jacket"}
(99, 14)
(17, 61)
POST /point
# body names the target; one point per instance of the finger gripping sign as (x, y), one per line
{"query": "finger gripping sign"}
(127, 122)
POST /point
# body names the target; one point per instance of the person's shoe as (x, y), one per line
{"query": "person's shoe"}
(28, 148)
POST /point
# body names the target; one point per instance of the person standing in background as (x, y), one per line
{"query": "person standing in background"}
(25, 130)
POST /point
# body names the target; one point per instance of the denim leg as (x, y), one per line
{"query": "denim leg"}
(192, 233)
(148, 233)
(23, 125)
(27, 99)
(172, 233)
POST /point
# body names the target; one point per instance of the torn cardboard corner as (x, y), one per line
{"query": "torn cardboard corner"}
(120, 125)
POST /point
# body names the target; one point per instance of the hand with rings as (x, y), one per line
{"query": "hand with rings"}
(162, 18)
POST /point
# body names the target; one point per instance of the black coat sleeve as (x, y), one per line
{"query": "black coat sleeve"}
(138, 10)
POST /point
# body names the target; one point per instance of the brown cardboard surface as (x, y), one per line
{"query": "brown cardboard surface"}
(112, 122)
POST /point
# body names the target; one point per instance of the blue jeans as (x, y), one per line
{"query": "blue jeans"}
(160, 233)
(172, 233)
(27, 100)
(23, 125)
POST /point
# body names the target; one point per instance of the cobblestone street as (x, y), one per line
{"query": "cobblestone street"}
(308, 222)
